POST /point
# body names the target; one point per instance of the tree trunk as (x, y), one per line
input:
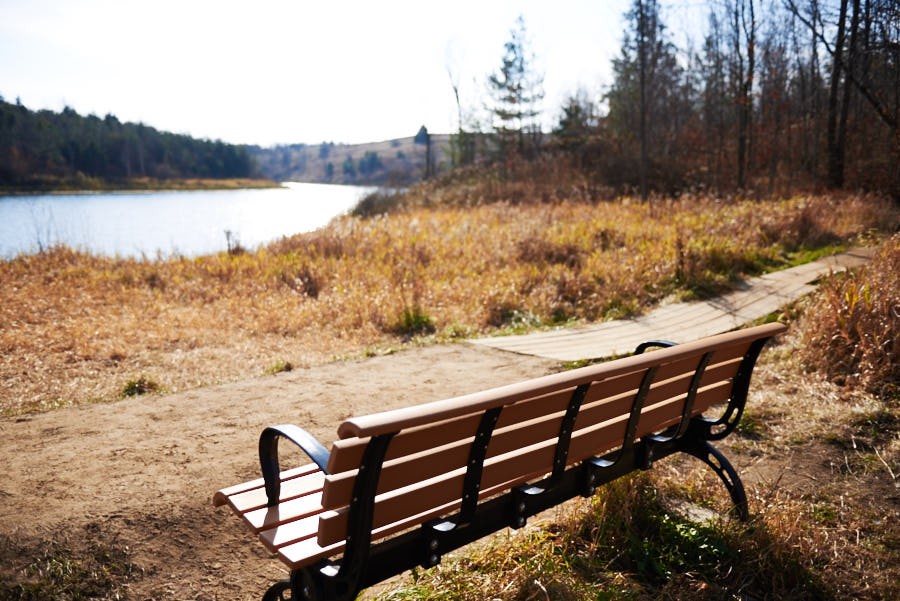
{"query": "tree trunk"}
(745, 85)
(841, 142)
(835, 158)
(642, 59)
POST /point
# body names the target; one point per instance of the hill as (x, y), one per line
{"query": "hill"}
(48, 150)
(397, 162)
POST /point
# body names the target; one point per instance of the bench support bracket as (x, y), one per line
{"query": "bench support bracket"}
(711, 456)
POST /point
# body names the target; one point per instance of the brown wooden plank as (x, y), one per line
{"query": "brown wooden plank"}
(221, 497)
(269, 517)
(536, 407)
(307, 552)
(347, 453)
(290, 489)
(290, 532)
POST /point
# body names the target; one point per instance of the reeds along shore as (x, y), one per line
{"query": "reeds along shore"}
(75, 327)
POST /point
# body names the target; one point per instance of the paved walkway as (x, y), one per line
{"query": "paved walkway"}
(681, 322)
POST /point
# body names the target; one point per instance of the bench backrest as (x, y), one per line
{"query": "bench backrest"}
(519, 433)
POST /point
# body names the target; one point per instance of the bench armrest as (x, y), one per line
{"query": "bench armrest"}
(652, 343)
(268, 455)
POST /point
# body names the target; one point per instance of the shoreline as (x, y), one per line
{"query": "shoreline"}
(143, 184)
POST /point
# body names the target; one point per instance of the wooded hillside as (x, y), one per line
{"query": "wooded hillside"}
(390, 163)
(45, 149)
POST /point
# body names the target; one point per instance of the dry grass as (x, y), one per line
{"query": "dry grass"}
(824, 458)
(77, 328)
(856, 339)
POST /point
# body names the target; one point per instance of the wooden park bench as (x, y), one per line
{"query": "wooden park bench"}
(401, 488)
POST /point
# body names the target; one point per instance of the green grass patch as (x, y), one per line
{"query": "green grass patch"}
(413, 321)
(140, 386)
(280, 366)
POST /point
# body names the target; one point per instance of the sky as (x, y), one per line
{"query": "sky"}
(271, 72)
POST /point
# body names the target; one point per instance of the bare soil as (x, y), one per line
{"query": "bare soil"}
(140, 473)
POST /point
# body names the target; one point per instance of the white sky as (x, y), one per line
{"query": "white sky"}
(287, 71)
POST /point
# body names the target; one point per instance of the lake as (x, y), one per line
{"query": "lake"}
(186, 223)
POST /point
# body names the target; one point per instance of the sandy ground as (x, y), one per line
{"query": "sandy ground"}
(142, 471)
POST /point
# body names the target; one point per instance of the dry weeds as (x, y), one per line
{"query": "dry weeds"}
(76, 328)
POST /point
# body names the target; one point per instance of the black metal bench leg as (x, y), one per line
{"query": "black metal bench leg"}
(280, 591)
(712, 457)
(322, 582)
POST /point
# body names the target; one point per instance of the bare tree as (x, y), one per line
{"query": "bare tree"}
(743, 68)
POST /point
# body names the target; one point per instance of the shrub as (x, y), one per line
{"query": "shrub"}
(378, 203)
(852, 330)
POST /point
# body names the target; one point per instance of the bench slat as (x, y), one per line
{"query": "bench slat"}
(290, 532)
(268, 517)
(290, 489)
(221, 497)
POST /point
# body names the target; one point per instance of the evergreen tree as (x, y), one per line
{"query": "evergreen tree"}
(515, 91)
(578, 119)
(646, 103)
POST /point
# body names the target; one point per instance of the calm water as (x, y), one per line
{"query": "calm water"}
(139, 224)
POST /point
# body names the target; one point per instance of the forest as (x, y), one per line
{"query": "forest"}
(777, 95)
(45, 149)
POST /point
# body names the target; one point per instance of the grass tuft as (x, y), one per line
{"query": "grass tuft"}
(139, 386)
(279, 367)
(414, 321)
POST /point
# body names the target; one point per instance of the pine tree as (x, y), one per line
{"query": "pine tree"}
(516, 91)
(645, 105)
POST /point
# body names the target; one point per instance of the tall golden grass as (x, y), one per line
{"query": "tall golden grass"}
(76, 328)
(854, 338)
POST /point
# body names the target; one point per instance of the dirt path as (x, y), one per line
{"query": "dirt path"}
(143, 470)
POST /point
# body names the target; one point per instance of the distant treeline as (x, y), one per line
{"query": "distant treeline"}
(41, 148)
